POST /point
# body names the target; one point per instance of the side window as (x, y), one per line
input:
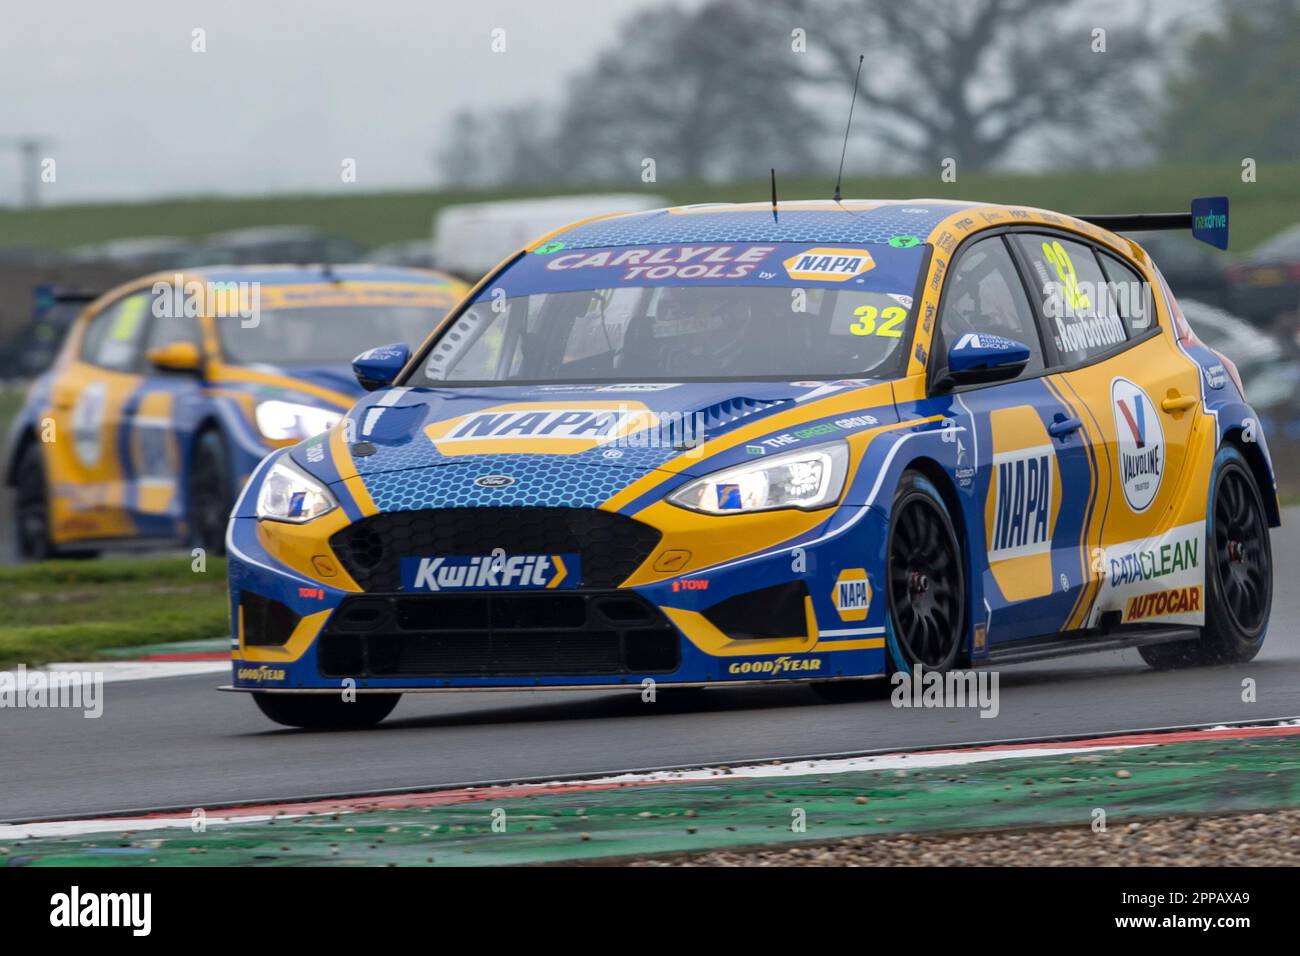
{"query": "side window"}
(1131, 294)
(113, 338)
(984, 294)
(164, 330)
(1081, 318)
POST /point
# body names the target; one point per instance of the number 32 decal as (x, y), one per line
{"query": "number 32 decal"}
(893, 317)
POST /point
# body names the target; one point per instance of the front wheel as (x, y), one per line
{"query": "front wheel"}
(926, 580)
(1238, 573)
(31, 515)
(32, 507)
(326, 711)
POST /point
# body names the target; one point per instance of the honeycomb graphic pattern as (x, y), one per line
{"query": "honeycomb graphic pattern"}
(539, 481)
(419, 452)
(872, 226)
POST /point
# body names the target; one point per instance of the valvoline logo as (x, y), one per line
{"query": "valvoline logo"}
(1140, 442)
(498, 571)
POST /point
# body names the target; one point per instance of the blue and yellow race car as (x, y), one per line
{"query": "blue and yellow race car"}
(729, 444)
(169, 390)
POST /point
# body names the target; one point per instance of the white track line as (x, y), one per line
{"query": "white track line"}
(114, 671)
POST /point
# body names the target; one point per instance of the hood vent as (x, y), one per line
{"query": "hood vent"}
(734, 409)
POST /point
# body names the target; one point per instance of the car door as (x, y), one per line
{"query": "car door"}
(1141, 396)
(89, 489)
(1020, 456)
(165, 404)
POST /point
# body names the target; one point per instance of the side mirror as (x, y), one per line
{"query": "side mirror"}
(378, 367)
(980, 359)
(176, 357)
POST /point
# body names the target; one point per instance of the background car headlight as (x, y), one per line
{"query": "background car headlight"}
(808, 478)
(281, 420)
(288, 494)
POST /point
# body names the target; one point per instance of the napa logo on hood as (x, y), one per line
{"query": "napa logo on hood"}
(557, 428)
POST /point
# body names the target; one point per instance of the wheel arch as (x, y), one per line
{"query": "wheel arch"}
(22, 440)
(1260, 470)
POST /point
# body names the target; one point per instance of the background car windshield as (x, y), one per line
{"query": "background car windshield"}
(324, 335)
(762, 312)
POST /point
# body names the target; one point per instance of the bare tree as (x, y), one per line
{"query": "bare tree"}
(972, 79)
(513, 145)
(706, 94)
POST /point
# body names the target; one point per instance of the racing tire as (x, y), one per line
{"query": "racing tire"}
(31, 516)
(326, 711)
(1238, 573)
(209, 495)
(925, 580)
(32, 507)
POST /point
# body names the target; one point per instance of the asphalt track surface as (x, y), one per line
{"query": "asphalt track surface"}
(177, 742)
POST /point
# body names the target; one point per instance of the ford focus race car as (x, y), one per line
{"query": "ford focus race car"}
(169, 390)
(733, 444)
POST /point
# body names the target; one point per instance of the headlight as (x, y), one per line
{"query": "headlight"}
(808, 478)
(288, 494)
(280, 420)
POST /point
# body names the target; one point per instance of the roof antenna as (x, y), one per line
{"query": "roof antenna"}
(774, 219)
(840, 176)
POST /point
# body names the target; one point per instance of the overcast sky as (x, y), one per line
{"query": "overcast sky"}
(286, 90)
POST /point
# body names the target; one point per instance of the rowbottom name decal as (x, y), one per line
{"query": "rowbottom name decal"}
(516, 572)
(1022, 518)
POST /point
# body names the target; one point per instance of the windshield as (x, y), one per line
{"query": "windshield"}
(669, 312)
(322, 335)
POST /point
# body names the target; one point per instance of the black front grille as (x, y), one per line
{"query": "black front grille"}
(612, 546)
(497, 635)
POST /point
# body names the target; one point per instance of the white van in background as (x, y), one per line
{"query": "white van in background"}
(471, 238)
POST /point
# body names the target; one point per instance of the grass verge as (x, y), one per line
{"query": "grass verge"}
(1259, 209)
(75, 610)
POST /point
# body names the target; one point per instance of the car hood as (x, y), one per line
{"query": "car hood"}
(566, 430)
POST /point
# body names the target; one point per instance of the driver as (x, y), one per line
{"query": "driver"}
(704, 330)
(983, 303)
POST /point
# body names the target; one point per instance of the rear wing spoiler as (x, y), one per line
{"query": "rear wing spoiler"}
(1207, 220)
(45, 297)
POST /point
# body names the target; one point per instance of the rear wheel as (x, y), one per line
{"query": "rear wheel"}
(326, 711)
(210, 497)
(1238, 573)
